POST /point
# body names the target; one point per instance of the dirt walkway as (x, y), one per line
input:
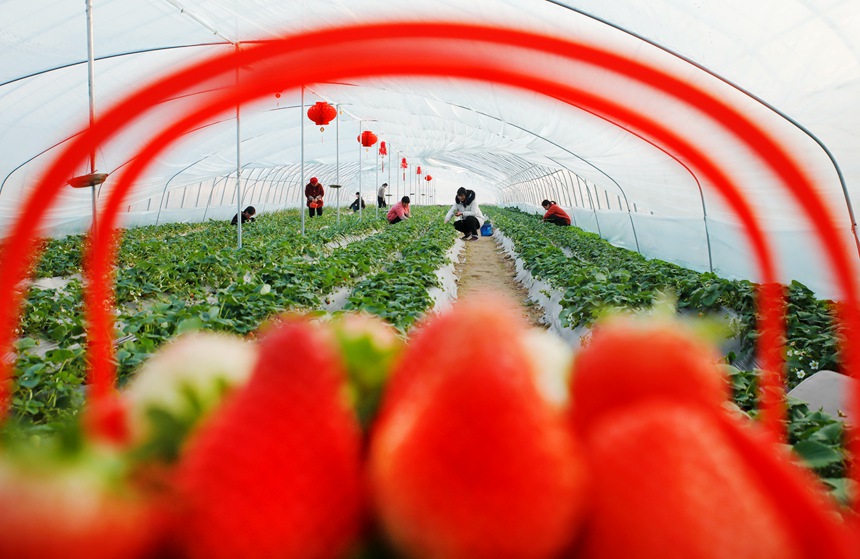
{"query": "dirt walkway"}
(483, 266)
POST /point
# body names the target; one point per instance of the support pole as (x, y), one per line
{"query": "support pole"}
(302, 140)
(91, 91)
(238, 161)
(360, 193)
(337, 156)
(377, 183)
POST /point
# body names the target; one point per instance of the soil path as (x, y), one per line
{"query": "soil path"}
(483, 266)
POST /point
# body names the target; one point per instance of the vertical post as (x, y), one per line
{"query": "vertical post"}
(377, 182)
(337, 156)
(238, 161)
(389, 171)
(91, 91)
(302, 141)
(360, 193)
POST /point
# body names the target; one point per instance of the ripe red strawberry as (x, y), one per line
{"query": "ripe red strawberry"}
(468, 459)
(674, 475)
(627, 359)
(62, 504)
(275, 472)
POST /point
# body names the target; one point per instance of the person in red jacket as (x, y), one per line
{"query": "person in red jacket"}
(554, 213)
(314, 194)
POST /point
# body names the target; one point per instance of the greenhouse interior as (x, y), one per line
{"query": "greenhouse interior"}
(443, 279)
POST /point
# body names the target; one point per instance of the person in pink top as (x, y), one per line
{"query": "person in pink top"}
(399, 211)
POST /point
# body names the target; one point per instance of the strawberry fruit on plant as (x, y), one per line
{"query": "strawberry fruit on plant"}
(275, 472)
(674, 474)
(468, 458)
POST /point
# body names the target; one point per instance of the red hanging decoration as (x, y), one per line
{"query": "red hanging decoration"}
(366, 138)
(418, 170)
(428, 178)
(382, 149)
(322, 113)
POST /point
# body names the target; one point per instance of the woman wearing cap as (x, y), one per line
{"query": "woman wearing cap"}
(469, 217)
(314, 193)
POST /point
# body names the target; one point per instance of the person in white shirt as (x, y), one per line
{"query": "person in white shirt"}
(380, 195)
(468, 217)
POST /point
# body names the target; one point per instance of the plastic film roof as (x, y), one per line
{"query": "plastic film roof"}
(792, 66)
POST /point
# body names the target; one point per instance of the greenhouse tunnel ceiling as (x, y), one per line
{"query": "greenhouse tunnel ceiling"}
(790, 66)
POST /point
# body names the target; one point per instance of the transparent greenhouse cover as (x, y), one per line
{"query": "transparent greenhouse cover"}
(790, 66)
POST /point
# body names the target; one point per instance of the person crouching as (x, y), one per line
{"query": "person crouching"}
(468, 216)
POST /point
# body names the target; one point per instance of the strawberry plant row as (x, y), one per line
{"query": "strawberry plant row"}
(595, 275)
(217, 288)
(400, 292)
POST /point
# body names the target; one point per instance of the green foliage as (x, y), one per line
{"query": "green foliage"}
(179, 277)
(595, 275)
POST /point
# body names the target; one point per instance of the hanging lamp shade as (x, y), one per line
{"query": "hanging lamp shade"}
(367, 138)
(83, 181)
(383, 150)
(321, 113)
(428, 178)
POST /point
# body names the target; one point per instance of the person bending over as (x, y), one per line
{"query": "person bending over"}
(314, 194)
(247, 215)
(554, 213)
(467, 215)
(399, 211)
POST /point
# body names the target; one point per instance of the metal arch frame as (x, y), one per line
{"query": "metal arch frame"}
(167, 184)
(276, 185)
(265, 180)
(286, 178)
(746, 92)
(590, 202)
(211, 192)
(749, 94)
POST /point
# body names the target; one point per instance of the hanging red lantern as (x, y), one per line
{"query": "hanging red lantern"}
(428, 178)
(366, 138)
(322, 113)
(382, 149)
(403, 163)
(418, 170)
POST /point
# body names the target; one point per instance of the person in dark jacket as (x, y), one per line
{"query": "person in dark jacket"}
(247, 215)
(355, 203)
(314, 194)
(554, 213)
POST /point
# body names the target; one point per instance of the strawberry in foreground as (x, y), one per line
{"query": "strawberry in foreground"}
(276, 471)
(676, 476)
(67, 498)
(468, 458)
(369, 346)
(179, 385)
